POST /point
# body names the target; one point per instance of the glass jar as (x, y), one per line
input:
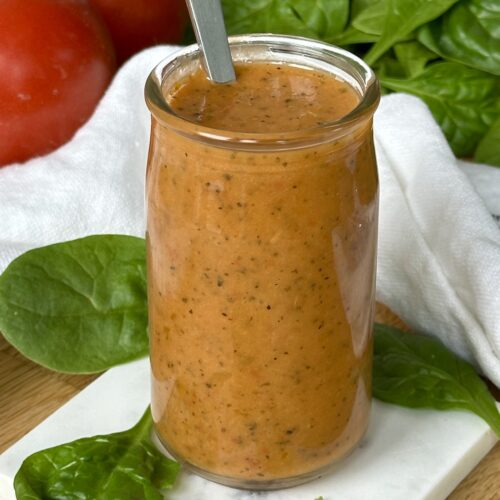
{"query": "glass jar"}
(261, 274)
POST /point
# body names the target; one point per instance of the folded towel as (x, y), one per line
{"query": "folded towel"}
(439, 247)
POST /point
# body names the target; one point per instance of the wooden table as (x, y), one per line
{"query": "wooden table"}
(30, 393)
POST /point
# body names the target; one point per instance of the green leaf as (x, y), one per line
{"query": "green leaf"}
(263, 16)
(107, 467)
(389, 67)
(462, 99)
(488, 150)
(78, 306)
(352, 36)
(401, 18)
(311, 18)
(469, 33)
(368, 16)
(413, 56)
(420, 372)
(325, 18)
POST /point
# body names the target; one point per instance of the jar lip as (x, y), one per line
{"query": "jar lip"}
(308, 48)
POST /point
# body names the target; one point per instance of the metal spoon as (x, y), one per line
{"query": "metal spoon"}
(208, 23)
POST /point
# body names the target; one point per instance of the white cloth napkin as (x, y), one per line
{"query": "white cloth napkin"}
(439, 247)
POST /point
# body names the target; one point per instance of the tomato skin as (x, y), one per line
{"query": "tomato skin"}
(56, 60)
(137, 24)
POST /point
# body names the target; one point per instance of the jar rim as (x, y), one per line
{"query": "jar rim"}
(310, 50)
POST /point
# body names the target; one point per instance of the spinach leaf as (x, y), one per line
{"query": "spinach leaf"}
(315, 19)
(121, 465)
(352, 36)
(420, 372)
(401, 18)
(462, 99)
(368, 16)
(488, 150)
(469, 33)
(389, 67)
(325, 18)
(78, 306)
(413, 56)
(263, 16)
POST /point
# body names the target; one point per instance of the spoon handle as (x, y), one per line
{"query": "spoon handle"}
(208, 23)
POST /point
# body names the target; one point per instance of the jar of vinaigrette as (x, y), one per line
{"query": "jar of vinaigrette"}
(262, 204)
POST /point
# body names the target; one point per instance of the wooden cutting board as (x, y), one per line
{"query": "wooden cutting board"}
(29, 393)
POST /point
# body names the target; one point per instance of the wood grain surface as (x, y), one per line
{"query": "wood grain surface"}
(30, 393)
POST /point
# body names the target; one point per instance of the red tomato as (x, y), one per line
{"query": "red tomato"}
(56, 60)
(137, 24)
